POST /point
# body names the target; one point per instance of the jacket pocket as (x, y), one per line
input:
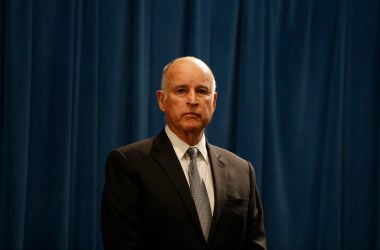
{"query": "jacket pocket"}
(237, 206)
(237, 202)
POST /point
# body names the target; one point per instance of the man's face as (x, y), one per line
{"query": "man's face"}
(189, 101)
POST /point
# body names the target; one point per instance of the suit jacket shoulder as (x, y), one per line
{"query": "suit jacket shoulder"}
(136, 148)
(232, 162)
(226, 154)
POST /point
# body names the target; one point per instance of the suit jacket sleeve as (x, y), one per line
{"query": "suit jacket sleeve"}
(120, 218)
(255, 238)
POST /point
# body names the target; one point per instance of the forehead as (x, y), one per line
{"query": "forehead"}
(189, 71)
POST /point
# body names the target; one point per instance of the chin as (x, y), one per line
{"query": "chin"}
(193, 129)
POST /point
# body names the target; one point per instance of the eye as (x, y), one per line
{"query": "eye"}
(181, 91)
(203, 91)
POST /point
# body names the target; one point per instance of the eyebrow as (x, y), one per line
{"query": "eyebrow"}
(203, 85)
(180, 85)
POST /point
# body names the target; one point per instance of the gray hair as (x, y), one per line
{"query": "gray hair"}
(164, 83)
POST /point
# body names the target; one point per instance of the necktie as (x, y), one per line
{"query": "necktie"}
(199, 192)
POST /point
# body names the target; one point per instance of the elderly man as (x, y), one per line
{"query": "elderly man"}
(176, 190)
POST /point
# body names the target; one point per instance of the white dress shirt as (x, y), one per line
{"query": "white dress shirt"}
(180, 148)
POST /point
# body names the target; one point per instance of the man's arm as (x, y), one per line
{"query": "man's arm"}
(120, 217)
(255, 232)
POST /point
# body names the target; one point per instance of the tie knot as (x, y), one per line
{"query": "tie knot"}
(193, 152)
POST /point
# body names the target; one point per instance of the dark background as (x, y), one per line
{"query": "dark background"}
(299, 97)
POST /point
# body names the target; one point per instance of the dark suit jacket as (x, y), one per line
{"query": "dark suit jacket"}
(147, 203)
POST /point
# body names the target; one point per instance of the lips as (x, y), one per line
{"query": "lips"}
(192, 114)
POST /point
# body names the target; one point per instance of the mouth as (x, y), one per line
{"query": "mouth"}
(191, 114)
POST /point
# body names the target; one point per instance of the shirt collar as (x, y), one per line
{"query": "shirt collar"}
(180, 147)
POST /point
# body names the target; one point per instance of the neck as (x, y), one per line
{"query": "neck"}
(191, 137)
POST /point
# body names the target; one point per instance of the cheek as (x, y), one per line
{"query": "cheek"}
(172, 104)
(176, 107)
(174, 110)
(210, 107)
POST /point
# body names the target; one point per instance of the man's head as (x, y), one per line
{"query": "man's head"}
(187, 96)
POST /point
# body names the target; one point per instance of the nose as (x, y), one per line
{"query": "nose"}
(192, 98)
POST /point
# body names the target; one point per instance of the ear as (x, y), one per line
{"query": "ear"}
(160, 99)
(214, 101)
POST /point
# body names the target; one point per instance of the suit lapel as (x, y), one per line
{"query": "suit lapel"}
(218, 168)
(168, 161)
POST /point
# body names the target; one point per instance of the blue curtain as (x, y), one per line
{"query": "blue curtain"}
(299, 97)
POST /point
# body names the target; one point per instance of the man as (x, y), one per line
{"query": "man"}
(176, 190)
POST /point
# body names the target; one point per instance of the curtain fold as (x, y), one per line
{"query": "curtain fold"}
(17, 95)
(298, 96)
